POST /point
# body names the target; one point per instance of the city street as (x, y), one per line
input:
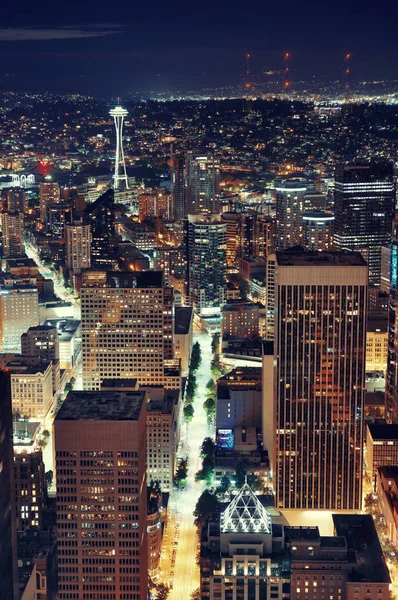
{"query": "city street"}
(185, 572)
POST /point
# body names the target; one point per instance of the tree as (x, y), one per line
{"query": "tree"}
(210, 407)
(188, 412)
(225, 484)
(205, 473)
(49, 478)
(181, 474)
(208, 448)
(211, 387)
(196, 594)
(216, 365)
(162, 591)
(46, 433)
(215, 343)
(205, 507)
(191, 388)
(196, 357)
(241, 474)
(42, 443)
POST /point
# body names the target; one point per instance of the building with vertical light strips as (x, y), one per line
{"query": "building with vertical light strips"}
(100, 454)
(320, 345)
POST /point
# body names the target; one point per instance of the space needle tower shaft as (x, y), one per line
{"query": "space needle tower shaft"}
(118, 113)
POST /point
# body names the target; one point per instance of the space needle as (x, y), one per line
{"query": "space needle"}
(118, 113)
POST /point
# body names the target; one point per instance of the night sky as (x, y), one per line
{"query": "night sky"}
(113, 48)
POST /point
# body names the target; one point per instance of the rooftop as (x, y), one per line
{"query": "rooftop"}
(380, 431)
(102, 406)
(66, 328)
(142, 279)
(300, 257)
(245, 514)
(182, 319)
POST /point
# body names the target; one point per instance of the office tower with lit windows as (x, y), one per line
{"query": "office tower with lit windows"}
(289, 209)
(12, 226)
(178, 185)
(364, 206)
(264, 235)
(59, 216)
(78, 247)
(49, 194)
(16, 200)
(127, 329)
(8, 542)
(318, 227)
(206, 255)
(319, 345)
(392, 359)
(30, 489)
(202, 183)
(100, 456)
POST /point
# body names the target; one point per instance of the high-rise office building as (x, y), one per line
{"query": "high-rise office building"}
(58, 217)
(100, 454)
(202, 183)
(78, 247)
(49, 194)
(127, 329)
(8, 560)
(12, 226)
(16, 200)
(364, 205)
(289, 209)
(178, 185)
(101, 217)
(320, 345)
(392, 360)
(206, 253)
(41, 341)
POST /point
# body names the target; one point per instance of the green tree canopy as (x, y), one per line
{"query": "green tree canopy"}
(188, 412)
(205, 507)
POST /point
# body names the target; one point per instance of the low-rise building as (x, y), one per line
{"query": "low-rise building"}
(31, 387)
(69, 339)
(381, 446)
(241, 319)
(239, 399)
(377, 341)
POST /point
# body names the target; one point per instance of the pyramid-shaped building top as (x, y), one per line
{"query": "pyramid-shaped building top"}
(245, 514)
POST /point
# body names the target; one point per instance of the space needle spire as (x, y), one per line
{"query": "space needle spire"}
(118, 113)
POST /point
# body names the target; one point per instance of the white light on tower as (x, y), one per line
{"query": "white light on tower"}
(118, 113)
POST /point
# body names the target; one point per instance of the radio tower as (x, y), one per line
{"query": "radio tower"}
(347, 76)
(286, 76)
(118, 113)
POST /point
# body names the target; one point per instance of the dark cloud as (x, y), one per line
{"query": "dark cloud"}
(23, 34)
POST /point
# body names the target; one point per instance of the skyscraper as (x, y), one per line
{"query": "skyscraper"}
(203, 183)
(16, 200)
(364, 205)
(19, 310)
(100, 216)
(49, 194)
(320, 345)
(178, 185)
(41, 341)
(8, 566)
(289, 208)
(78, 247)
(12, 226)
(206, 253)
(127, 329)
(100, 454)
(318, 228)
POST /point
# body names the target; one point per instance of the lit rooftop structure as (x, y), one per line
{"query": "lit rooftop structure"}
(245, 514)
